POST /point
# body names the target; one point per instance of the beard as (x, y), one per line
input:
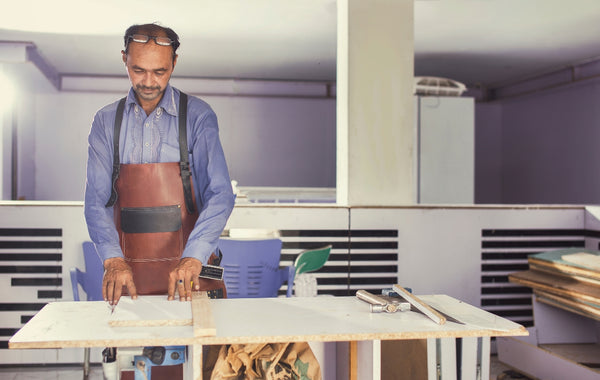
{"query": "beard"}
(148, 93)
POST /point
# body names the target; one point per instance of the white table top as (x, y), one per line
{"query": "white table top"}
(255, 320)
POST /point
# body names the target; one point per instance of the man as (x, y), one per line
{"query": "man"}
(152, 224)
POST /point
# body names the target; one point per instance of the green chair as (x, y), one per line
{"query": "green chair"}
(311, 260)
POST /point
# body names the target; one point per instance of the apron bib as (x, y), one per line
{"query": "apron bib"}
(154, 209)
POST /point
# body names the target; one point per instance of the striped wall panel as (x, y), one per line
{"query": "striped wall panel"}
(30, 274)
(504, 251)
(359, 259)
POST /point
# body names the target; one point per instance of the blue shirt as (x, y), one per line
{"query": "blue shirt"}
(151, 139)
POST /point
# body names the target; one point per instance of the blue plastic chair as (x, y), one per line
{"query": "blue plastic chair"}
(91, 279)
(91, 283)
(252, 268)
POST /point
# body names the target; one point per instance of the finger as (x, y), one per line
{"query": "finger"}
(181, 289)
(104, 290)
(110, 287)
(187, 283)
(118, 289)
(131, 289)
(171, 287)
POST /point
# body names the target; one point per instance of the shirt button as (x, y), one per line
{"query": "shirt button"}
(147, 125)
(136, 109)
(159, 111)
(147, 144)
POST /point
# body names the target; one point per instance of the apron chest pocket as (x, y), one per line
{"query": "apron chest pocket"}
(151, 219)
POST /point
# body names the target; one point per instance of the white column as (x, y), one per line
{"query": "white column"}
(374, 90)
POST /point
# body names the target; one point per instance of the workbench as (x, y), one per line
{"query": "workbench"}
(319, 319)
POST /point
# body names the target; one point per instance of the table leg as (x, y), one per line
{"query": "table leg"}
(192, 369)
(484, 360)
(364, 360)
(468, 363)
(441, 353)
(432, 362)
(448, 358)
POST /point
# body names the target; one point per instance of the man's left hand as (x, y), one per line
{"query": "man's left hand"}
(182, 277)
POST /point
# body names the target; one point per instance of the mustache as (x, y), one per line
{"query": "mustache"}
(141, 87)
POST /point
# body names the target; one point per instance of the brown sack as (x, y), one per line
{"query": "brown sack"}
(268, 361)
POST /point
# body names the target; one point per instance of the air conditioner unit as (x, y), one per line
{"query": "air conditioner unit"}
(438, 86)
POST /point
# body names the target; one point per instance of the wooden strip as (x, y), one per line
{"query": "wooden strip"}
(147, 311)
(420, 305)
(353, 361)
(202, 316)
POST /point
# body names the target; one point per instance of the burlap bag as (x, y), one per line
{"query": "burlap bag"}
(268, 361)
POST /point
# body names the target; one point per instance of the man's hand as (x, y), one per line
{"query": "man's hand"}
(117, 273)
(181, 278)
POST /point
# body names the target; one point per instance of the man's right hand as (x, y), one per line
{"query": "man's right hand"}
(117, 273)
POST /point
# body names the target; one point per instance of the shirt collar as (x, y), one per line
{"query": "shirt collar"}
(167, 103)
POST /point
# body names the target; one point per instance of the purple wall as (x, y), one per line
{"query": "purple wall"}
(540, 148)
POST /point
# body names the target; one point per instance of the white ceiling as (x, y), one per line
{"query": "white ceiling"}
(472, 41)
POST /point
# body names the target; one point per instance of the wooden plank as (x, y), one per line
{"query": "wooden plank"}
(420, 305)
(202, 317)
(556, 271)
(560, 285)
(583, 259)
(552, 260)
(148, 311)
(573, 305)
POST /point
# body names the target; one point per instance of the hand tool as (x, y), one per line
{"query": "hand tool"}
(389, 293)
(379, 304)
(430, 312)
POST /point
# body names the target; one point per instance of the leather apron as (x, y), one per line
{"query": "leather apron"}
(154, 210)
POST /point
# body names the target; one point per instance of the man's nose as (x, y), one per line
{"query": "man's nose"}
(148, 80)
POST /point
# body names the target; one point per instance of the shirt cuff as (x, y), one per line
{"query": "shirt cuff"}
(108, 251)
(200, 250)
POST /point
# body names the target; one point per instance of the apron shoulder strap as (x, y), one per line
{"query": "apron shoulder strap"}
(184, 162)
(116, 160)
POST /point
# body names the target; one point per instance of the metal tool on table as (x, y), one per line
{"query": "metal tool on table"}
(390, 293)
(379, 304)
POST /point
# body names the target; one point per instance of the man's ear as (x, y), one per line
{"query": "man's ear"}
(175, 60)
(124, 56)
